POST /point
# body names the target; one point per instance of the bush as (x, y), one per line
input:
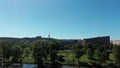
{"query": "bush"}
(111, 65)
(90, 53)
(84, 64)
(116, 52)
(96, 65)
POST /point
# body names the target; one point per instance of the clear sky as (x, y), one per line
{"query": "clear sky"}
(65, 19)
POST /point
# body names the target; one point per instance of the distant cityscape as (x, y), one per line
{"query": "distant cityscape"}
(98, 40)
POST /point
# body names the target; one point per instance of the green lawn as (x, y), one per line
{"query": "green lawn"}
(112, 57)
(69, 58)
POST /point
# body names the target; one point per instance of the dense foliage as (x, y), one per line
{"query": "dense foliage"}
(49, 52)
(16, 54)
(78, 51)
(116, 52)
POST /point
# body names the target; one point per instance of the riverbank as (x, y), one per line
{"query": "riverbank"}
(94, 65)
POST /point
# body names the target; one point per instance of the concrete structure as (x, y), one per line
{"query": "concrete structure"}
(97, 40)
(116, 42)
(68, 41)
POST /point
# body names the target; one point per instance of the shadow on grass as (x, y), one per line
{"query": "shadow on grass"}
(95, 59)
(111, 60)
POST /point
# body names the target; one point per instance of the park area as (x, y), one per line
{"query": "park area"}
(42, 53)
(71, 60)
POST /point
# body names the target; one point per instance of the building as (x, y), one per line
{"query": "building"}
(116, 42)
(96, 40)
(68, 41)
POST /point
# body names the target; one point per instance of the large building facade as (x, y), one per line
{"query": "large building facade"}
(97, 40)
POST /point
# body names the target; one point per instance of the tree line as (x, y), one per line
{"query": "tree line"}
(47, 52)
(96, 52)
(43, 52)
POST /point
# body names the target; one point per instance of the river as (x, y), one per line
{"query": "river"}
(35, 66)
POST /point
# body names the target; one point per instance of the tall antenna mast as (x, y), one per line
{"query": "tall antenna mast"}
(49, 35)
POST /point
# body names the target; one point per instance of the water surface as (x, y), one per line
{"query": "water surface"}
(35, 66)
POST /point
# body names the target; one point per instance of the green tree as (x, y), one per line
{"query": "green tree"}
(23, 45)
(6, 47)
(90, 53)
(1, 51)
(116, 52)
(55, 58)
(105, 55)
(54, 45)
(16, 54)
(45, 51)
(99, 52)
(102, 53)
(39, 52)
(78, 51)
(27, 52)
(61, 58)
(91, 47)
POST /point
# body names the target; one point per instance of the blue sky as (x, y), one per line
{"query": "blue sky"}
(64, 19)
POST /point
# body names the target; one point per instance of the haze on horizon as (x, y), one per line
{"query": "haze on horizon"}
(63, 19)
